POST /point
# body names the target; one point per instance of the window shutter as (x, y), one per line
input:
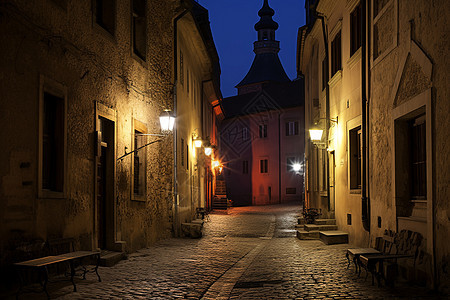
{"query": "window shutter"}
(296, 127)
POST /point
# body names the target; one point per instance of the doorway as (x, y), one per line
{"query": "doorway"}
(105, 183)
(332, 179)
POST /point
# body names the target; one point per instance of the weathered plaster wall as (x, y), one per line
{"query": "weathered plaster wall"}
(429, 31)
(67, 47)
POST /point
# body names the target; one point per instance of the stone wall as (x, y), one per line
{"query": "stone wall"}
(63, 47)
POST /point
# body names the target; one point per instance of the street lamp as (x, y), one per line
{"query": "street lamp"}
(316, 131)
(167, 121)
(297, 167)
(198, 142)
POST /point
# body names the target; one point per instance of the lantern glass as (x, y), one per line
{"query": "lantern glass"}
(197, 143)
(167, 121)
(208, 151)
(316, 134)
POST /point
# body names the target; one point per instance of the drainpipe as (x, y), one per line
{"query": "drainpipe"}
(327, 99)
(279, 159)
(365, 202)
(175, 135)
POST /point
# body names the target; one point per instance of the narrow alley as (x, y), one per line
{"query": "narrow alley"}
(249, 253)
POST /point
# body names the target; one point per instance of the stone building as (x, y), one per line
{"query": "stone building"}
(198, 112)
(82, 87)
(376, 84)
(262, 134)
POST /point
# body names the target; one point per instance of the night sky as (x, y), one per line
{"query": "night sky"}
(232, 24)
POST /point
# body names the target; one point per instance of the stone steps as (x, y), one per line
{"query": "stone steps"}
(334, 237)
(314, 227)
(110, 258)
(307, 235)
(325, 221)
(324, 229)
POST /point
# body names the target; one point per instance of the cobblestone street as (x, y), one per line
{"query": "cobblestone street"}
(251, 253)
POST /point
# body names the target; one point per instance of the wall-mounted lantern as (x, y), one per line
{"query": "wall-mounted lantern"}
(198, 142)
(167, 121)
(316, 132)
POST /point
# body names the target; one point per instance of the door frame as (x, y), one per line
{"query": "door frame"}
(110, 114)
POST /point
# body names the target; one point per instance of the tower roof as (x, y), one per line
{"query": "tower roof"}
(266, 66)
(266, 22)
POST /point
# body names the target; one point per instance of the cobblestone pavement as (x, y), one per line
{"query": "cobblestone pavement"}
(251, 253)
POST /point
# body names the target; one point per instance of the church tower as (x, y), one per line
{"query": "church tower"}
(266, 66)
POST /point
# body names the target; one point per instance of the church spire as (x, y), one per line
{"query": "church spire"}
(266, 28)
(266, 66)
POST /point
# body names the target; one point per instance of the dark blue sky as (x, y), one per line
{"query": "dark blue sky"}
(232, 24)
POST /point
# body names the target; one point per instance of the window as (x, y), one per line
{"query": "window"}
(336, 54)
(187, 80)
(292, 128)
(139, 168)
(187, 157)
(182, 152)
(418, 160)
(105, 14)
(355, 30)
(139, 29)
(263, 131)
(245, 133)
(384, 27)
(324, 74)
(291, 191)
(245, 167)
(355, 158)
(53, 143)
(264, 164)
(290, 161)
(181, 68)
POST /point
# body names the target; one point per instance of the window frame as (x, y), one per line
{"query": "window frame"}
(336, 53)
(134, 16)
(245, 167)
(245, 134)
(56, 89)
(111, 31)
(355, 30)
(355, 167)
(264, 166)
(142, 129)
(263, 131)
(292, 130)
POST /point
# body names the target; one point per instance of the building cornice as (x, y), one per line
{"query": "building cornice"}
(326, 6)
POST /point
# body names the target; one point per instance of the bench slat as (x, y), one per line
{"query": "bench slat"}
(43, 261)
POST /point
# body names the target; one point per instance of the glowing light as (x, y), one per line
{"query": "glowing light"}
(297, 167)
(167, 121)
(208, 151)
(316, 134)
(197, 143)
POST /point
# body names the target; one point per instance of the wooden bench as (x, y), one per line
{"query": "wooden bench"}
(403, 245)
(42, 264)
(382, 245)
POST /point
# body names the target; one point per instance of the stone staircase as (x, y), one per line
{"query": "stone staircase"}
(220, 200)
(324, 229)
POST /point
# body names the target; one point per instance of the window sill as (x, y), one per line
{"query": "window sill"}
(354, 59)
(47, 194)
(336, 77)
(138, 198)
(355, 191)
